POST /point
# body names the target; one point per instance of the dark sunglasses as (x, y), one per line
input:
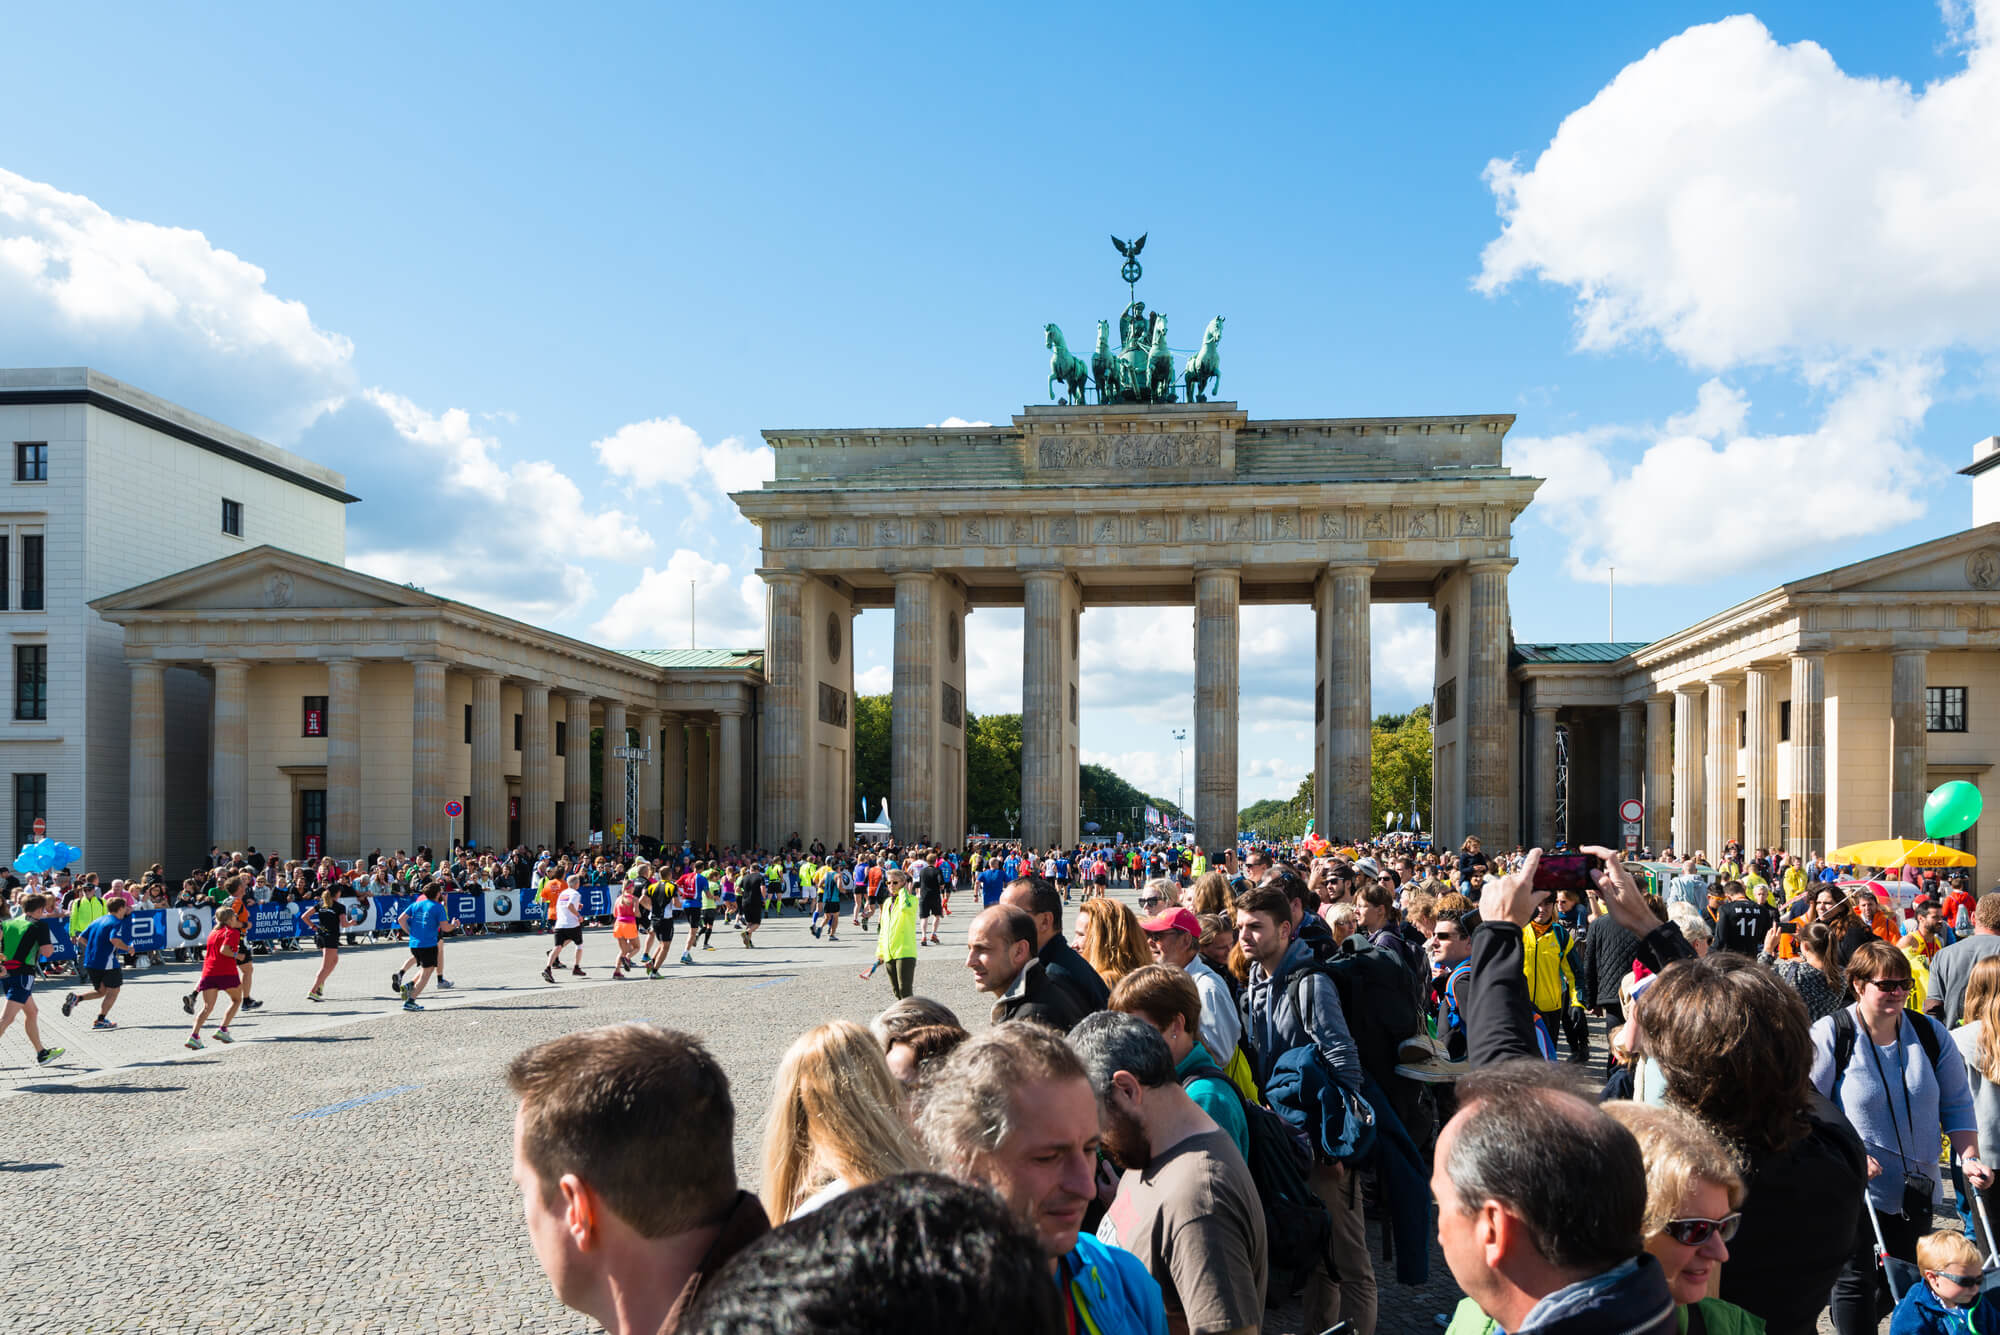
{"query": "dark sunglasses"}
(1694, 1232)
(1147, 901)
(1892, 984)
(1963, 1281)
(1444, 936)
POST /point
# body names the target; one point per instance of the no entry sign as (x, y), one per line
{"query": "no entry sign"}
(454, 808)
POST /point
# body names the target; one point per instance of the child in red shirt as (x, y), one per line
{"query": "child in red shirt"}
(219, 975)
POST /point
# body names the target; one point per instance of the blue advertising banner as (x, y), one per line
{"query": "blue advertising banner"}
(147, 930)
(466, 909)
(388, 908)
(533, 909)
(596, 901)
(272, 922)
(59, 937)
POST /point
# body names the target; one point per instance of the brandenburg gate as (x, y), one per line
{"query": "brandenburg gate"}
(1135, 500)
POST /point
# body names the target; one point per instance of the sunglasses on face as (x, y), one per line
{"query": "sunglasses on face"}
(1444, 936)
(1963, 1281)
(1148, 901)
(1694, 1232)
(1892, 984)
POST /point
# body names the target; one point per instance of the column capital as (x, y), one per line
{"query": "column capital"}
(1219, 568)
(235, 664)
(1729, 677)
(1045, 572)
(1490, 565)
(796, 578)
(1549, 711)
(1351, 568)
(912, 573)
(1909, 651)
(1635, 706)
(731, 709)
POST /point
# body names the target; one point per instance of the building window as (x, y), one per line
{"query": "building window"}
(1742, 727)
(232, 518)
(517, 732)
(1784, 823)
(31, 681)
(315, 716)
(31, 803)
(562, 738)
(468, 725)
(1944, 708)
(312, 822)
(6, 550)
(31, 461)
(1784, 720)
(31, 572)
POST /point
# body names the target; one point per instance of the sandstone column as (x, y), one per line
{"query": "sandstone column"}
(782, 774)
(1808, 777)
(148, 777)
(649, 775)
(486, 822)
(1760, 760)
(611, 780)
(913, 710)
(1909, 769)
(1659, 796)
(1720, 823)
(1488, 809)
(697, 783)
(712, 825)
(538, 788)
(343, 759)
(1546, 834)
(674, 773)
(1042, 706)
(1631, 761)
(1218, 591)
(230, 820)
(429, 790)
(1688, 736)
(1347, 731)
(728, 777)
(576, 769)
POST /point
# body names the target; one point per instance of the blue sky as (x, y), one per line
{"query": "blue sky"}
(536, 281)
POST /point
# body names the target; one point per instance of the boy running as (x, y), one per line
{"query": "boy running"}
(102, 942)
(25, 942)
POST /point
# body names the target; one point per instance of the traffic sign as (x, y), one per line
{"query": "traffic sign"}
(41, 827)
(454, 808)
(1631, 810)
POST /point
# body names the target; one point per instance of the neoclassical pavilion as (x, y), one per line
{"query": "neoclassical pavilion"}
(1069, 508)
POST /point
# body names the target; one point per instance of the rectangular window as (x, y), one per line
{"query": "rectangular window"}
(6, 546)
(312, 822)
(31, 803)
(31, 681)
(1742, 728)
(31, 461)
(517, 732)
(31, 572)
(315, 716)
(1944, 708)
(1784, 823)
(232, 518)
(1784, 720)
(468, 725)
(562, 738)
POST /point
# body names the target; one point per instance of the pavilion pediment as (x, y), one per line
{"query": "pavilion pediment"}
(264, 578)
(1966, 563)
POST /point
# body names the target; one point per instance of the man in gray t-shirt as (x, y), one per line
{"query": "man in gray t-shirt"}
(1951, 968)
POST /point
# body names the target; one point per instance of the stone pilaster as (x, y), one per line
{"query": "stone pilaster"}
(148, 774)
(1808, 776)
(1048, 690)
(728, 771)
(1659, 772)
(674, 778)
(1218, 592)
(1909, 765)
(343, 759)
(1720, 806)
(429, 788)
(782, 775)
(1631, 758)
(697, 783)
(538, 780)
(913, 710)
(576, 769)
(1346, 740)
(1546, 835)
(1688, 769)
(713, 809)
(229, 820)
(486, 821)
(649, 775)
(611, 779)
(1760, 760)
(1487, 798)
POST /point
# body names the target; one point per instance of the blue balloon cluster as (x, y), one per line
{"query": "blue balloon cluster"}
(45, 855)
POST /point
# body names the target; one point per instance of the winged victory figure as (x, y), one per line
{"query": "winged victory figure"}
(1130, 249)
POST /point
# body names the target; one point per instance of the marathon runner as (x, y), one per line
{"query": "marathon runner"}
(327, 920)
(220, 974)
(101, 943)
(568, 929)
(24, 943)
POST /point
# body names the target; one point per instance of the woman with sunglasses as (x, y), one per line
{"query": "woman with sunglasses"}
(1899, 1101)
(1693, 1195)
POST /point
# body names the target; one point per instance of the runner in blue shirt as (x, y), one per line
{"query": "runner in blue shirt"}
(991, 882)
(98, 948)
(1062, 875)
(424, 921)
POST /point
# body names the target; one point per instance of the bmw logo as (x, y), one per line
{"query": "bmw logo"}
(503, 905)
(189, 926)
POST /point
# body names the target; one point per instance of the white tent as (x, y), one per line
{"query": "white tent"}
(874, 829)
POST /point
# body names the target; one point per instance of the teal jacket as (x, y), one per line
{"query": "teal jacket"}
(1113, 1293)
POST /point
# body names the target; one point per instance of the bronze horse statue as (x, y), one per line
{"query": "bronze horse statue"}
(1064, 366)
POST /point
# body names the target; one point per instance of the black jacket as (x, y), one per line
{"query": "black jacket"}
(1072, 972)
(1799, 1222)
(1608, 952)
(1037, 996)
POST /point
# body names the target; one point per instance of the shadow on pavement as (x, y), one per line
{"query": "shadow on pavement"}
(27, 1167)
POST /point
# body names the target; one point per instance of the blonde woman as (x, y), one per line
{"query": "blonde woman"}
(1978, 1041)
(836, 1122)
(1108, 936)
(1694, 1192)
(1210, 894)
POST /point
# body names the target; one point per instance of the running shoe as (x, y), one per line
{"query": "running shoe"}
(314, 995)
(47, 1055)
(686, 958)
(194, 1042)
(746, 939)
(446, 985)
(411, 1006)
(250, 1005)
(409, 992)
(815, 931)
(101, 1023)
(577, 970)
(617, 972)
(187, 1003)
(222, 1035)
(69, 1004)
(548, 976)
(396, 981)
(709, 946)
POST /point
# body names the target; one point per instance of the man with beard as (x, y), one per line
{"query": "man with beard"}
(1186, 1204)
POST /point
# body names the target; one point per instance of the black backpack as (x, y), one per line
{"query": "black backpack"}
(1376, 999)
(1298, 1232)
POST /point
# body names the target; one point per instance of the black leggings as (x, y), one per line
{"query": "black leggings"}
(1861, 1290)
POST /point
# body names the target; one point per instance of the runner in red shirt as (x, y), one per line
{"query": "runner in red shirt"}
(219, 974)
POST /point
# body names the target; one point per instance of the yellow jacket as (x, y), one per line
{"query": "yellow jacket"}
(1545, 959)
(898, 938)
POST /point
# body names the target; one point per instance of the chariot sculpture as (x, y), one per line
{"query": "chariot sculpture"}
(1139, 368)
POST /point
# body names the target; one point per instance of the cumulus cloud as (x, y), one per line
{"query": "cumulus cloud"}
(1743, 203)
(954, 422)
(724, 610)
(664, 450)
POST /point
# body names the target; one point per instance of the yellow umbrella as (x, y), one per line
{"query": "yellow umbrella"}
(1900, 853)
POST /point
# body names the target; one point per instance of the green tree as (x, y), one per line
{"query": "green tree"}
(1280, 818)
(871, 750)
(1400, 770)
(993, 773)
(1115, 804)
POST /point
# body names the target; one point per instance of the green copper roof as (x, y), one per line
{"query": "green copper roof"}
(1589, 651)
(711, 659)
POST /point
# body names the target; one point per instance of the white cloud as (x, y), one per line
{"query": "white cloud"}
(667, 450)
(1402, 640)
(876, 680)
(953, 422)
(727, 610)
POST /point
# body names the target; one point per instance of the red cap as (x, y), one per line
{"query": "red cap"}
(1175, 919)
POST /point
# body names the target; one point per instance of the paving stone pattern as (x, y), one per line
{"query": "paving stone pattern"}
(344, 1167)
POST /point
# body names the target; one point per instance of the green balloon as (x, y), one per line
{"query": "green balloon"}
(1952, 809)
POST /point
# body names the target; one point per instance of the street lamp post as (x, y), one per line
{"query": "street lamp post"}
(1180, 778)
